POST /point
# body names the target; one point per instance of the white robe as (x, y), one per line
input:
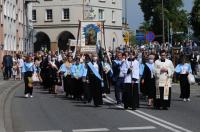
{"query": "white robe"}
(134, 65)
(163, 79)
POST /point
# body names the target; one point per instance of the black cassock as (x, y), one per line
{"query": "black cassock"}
(107, 82)
(95, 87)
(130, 96)
(149, 83)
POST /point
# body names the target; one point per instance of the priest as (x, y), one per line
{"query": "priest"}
(163, 71)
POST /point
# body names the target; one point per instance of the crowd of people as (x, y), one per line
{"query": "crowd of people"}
(89, 77)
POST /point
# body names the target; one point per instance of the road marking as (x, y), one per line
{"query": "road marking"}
(163, 121)
(136, 128)
(46, 131)
(151, 118)
(146, 118)
(92, 130)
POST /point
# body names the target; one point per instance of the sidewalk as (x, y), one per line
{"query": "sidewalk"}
(6, 88)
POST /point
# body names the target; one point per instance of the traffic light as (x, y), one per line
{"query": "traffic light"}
(126, 36)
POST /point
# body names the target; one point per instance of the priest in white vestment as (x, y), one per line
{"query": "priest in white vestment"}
(163, 71)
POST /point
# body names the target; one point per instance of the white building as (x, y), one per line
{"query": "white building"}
(9, 25)
(57, 21)
(14, 36)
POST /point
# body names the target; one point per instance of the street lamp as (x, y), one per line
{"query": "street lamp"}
(163, 23)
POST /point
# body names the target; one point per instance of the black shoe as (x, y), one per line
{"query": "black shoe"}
(165, 108)
(157, 108)
(97, 105)
(118, 102)
(133, 108)
(125, 107)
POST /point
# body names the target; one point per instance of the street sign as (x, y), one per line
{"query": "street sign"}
(149, 36)
(140, 35)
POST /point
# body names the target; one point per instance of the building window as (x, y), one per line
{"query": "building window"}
(101, 14)
(14, 13)
(49, 15)
(65, 14)
(34, 15)
(102, 0)
(113, 1)
(113, 16)
(1, 15)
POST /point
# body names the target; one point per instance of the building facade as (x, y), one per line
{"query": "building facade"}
(1, 29)
(9, 25)
(15, 27)
(57, 21)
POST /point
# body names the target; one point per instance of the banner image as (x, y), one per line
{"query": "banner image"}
(90, 32)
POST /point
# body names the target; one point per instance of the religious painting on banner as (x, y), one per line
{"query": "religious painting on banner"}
(90, 33)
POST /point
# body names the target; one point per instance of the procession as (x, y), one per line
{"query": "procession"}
(132, 73)
(99, 65)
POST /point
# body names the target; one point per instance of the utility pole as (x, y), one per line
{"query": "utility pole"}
(83, 9)
(126, 22)
(168, 31)
(163, 22)
(171, 33)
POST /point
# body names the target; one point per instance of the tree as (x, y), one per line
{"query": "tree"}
(195, 18)
(145, 26)
(173, 13)
(132, 39)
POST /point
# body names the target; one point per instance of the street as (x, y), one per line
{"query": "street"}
(59, 59)
(55, 113)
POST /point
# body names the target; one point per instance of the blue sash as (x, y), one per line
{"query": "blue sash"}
(94, 70)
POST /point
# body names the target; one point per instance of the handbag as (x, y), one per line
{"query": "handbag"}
(191, 79)
(35, 78)
(59, 89)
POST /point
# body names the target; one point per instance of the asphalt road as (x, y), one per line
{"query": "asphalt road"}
(50, 113)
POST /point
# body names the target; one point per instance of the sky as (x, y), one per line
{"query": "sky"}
(135, 15)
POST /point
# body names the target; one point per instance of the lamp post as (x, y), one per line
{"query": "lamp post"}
(163, 22)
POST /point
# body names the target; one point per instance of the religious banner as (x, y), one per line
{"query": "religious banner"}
(91, 33)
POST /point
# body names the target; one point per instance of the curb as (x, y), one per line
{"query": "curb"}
(5, 114)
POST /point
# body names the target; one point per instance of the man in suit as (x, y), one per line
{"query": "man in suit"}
(7, 64)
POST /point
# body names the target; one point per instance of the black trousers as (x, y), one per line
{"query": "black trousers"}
(184, 86)
(130, 95)
(162, 102)
(118, 89)
(67, 85)
(77, 89)
(96, 90)
(8, 72)
(87, 92)
(28, 89)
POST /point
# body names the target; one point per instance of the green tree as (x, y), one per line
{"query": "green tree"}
(173, 13)
(145, 26)
(195, 18)
(132, 39)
